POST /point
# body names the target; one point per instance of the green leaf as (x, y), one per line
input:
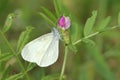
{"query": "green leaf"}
(30, 66)
(48, 19)
(8, 22)
(51, 77)
(101, 66)
(15, 77)
(113, 52)
(90, 23)
(50, 14)
(104, 23)
(0, 52)
(39, 74)
(57, 5)
(72, 47)
(6, 72)
(24, 36)
(0, 63)
(88, 41)
(119, 19)
(87, 71)
(5, 56)
(75, 32)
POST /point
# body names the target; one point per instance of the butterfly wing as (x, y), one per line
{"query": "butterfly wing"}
(36, 49)
(51, 55)
(43, 50)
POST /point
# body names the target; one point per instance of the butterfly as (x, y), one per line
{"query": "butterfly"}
(43, 50)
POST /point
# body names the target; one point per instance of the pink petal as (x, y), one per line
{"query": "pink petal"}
(67, 22)
(61, 21)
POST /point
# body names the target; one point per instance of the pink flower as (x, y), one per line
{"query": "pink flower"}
(64, 22)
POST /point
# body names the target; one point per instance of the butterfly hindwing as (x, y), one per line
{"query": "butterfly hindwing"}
(51, 55)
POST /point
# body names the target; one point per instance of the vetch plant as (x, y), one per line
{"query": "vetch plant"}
(44, 50)
(64, 24)
(18, 61)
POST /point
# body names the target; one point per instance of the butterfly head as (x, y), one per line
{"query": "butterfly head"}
(56, 33)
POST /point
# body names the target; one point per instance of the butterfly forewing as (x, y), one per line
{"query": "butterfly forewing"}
(34, 50)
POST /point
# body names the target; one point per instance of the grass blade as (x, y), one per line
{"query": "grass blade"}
(5, 57)
(15, 77)
(51, 77)
(87, 71)
(48, 19)
(57, 5)
(6, 72)
(100, 64)
(50, 14)
(119, 18)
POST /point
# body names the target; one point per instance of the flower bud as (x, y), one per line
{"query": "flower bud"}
(64, 22)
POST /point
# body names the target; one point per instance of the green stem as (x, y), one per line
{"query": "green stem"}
(91, 35)
(64, 63)
(86, 37)
(14, 53)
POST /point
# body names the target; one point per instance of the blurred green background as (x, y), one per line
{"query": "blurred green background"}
(80, 65)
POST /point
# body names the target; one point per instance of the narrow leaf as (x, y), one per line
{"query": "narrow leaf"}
(0, 52)
(88, 41)
(60, 8)
(119, 19)
(75, 32)
(30, 66)
(50, 14)
(48, 19)
(113, 52)
(101, 66)
(5, 56)
(90, 23)
(15, 77)
(72, 47)
(0, 63)
(24, 36)
(57, 5)
(8, 22)
(87, 71)
(51, 77)
(104, 23)
(6, 72)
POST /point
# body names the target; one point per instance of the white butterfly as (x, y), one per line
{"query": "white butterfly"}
(44, 50)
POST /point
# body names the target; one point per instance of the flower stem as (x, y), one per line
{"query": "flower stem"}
(64, 63)
(86, 37)
(14, 53)
(91, 35)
